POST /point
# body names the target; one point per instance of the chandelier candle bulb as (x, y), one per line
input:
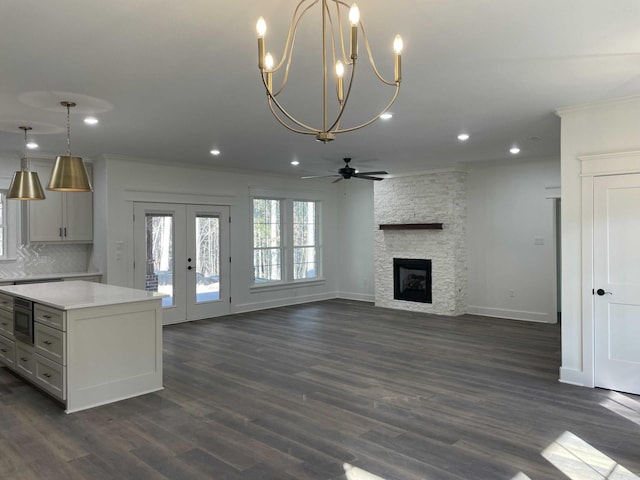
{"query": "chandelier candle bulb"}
(340, 80)
(354, 18)
(397, 47)
(261, 28)
(268, 60)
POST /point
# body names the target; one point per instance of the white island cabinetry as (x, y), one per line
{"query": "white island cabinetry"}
(93, 343)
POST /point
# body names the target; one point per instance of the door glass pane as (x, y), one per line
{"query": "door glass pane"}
(159, 263)
(207, 258)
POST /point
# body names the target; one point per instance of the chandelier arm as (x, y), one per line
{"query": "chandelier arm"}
(285, 124)
(357, 127)
(287, 55)
(271, 99)
(344, 102)
(371, 60)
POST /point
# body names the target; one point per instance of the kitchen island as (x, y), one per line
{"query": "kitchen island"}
(93, 343)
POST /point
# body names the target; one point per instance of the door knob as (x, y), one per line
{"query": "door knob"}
(601, 292)
(189, 267)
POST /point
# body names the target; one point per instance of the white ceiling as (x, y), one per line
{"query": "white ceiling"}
(172, 80)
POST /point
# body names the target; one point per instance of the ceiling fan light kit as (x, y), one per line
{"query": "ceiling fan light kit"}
(333, 46)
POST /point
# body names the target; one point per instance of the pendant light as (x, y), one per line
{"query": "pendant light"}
(25, 184)
(69, 173)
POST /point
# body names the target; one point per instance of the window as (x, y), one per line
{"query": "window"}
(267, 245)
(285, 240)
(304, 240)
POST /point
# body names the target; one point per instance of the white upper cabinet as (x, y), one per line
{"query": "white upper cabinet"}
(62, 216)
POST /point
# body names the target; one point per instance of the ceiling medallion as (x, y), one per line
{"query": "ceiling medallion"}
(333, 47)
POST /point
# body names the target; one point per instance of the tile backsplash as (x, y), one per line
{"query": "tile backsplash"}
(42, 258)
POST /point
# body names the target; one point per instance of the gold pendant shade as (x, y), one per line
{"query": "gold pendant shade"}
(25, 184)
(69, 175)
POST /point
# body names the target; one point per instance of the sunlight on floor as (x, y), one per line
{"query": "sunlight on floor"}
(624, 406)
(580, 461)
(521, 476)
(355, 473)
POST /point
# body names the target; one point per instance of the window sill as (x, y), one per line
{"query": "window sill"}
(286, 285)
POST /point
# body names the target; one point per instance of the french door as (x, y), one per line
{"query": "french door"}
(616, 250)
(183, 252)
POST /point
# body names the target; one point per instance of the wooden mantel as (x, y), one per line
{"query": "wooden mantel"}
(411, 226)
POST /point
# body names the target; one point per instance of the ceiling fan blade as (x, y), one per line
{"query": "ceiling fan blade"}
(337, 179)
(381, 172)
(320, 176)
(367, 177)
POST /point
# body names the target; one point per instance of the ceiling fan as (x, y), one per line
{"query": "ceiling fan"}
(347, 172)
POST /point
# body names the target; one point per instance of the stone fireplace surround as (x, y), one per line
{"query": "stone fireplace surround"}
(427, 198)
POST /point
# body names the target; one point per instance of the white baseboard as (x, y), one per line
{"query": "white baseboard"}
(282, 302)
(541, 317)
(362, 297)
(572, 377)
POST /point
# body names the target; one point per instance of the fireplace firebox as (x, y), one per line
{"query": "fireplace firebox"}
(412, 280)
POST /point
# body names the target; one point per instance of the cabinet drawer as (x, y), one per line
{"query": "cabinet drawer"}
(24, 360)
(7, 351)
(6, 302)
(49, 342)
(6, 323)
(49, 316)
(51, 376)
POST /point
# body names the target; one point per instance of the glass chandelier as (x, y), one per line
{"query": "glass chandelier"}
(333, 48)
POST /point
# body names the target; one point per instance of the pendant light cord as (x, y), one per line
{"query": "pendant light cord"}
(68, 129)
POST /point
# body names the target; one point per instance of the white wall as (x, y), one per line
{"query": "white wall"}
(356, 231)
(510, 276)
(124, 181)
(607, 127)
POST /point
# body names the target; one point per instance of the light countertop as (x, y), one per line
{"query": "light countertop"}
(78, 294)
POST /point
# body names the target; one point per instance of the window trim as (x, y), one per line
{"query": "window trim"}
(286, 243)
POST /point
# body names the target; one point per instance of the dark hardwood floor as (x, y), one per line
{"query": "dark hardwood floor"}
(336, 390)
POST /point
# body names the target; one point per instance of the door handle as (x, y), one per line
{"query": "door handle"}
(602, 292)
(189, 267)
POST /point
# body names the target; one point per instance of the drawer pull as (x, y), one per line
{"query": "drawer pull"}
(46, 316)
(5, 324)
(48, 375)
(23, 359)
(46, 342)
(3, 350)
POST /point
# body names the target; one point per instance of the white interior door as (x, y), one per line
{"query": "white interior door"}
(183, 252)
(617, 282)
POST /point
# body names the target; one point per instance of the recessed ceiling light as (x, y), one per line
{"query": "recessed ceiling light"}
(515, 150)
(463, 137)
(386, 116)
(91, 120)
(32, 145)
(215, 152)
(295, 163)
